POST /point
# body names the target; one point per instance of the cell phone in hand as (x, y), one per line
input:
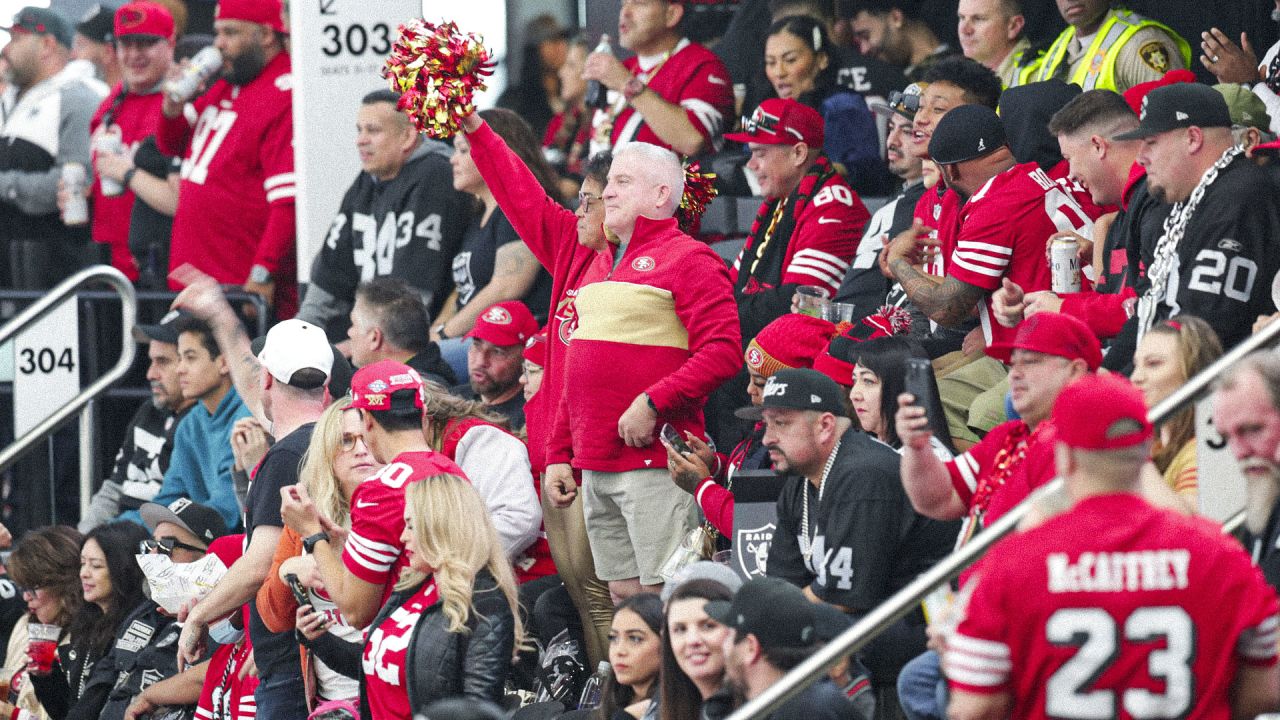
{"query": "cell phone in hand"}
(671, 436)
(299, 592)
(920, 382)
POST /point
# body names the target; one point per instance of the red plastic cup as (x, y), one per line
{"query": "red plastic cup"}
(42, 647)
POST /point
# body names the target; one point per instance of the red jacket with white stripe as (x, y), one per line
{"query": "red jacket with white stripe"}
(662, 322)
(812, 243)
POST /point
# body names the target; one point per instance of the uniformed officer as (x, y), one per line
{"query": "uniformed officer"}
(991, 32)
(1111, 49)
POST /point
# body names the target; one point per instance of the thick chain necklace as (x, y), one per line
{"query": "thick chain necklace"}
(809, 535)
(1167, 247)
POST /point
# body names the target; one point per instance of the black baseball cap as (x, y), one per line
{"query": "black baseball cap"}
(797, 389)
(772, 609)
(1181, 105)
(98, 24)
(42, 21)
(200, 520)
(165, 331)
(965, 133)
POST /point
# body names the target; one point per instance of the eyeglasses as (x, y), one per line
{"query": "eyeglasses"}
(349, 441)
(585, 199)
(166, 546)
(904, 102)
(760, 120)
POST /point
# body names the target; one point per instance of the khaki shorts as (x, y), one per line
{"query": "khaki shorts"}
(635, 521)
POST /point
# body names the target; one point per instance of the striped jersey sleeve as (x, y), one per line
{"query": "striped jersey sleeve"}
(377, 519)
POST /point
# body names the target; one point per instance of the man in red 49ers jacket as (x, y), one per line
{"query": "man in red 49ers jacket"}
(809, 225)
(657, 332)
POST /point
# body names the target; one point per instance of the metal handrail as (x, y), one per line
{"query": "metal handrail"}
(42, 307)
(905, 600)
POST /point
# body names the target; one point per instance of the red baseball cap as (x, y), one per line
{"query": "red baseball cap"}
(535, 349)
(145, 19)
(781, 122)
(1053, 334)
(263, 12)
(1101, 412)
(375, 386)
(1135, 94)
(504, 324)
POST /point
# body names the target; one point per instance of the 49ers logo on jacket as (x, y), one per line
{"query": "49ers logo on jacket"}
(497, 316)
(567, 314)
(644, 263)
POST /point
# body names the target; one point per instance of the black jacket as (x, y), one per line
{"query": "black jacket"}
(443, 664)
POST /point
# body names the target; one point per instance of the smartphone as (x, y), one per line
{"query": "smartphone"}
(920, 382)
(299, 592)
(672, 437)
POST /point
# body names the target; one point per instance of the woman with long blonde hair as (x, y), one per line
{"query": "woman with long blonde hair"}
(337, 461)
(452, 625)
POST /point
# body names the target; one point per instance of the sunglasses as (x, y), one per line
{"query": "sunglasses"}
(166, 546)
(760, 120)
(904, 102)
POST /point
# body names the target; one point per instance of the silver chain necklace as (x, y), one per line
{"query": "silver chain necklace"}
(808, 536)
(1167, 246)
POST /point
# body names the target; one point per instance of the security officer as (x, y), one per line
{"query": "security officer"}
(1111, 49)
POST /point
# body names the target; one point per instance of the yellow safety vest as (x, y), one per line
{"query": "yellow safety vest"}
(1098, 70)
(1026, 64)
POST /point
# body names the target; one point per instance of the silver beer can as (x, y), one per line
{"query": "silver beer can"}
(1064, 261)
(109, 143)
(204, 65)
(74, 179)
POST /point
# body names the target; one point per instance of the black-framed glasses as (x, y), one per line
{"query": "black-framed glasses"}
(166, 546)
(585, 199)
(760, 120)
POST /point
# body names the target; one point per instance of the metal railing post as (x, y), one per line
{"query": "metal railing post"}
(88, 454)
(905, 600)
(41, 308)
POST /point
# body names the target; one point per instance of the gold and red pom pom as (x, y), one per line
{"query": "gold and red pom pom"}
(437, 69)
(699, 191)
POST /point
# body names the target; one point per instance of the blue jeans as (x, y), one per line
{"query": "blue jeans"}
(281, 697)
(922, 691)
(454, 352)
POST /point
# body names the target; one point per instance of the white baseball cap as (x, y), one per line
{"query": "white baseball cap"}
(293, 345)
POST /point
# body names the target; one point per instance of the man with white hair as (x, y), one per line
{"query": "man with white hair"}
(657, 332)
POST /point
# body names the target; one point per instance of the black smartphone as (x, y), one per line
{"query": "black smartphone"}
(299, 592)
(920, 382)
(671, 436)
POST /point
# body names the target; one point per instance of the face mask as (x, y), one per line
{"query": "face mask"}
(224, 633)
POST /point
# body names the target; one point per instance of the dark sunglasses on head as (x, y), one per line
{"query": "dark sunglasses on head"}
(166, 546)
(904, 102)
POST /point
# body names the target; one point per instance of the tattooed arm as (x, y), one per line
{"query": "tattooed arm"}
(947, 303)
(515, 270)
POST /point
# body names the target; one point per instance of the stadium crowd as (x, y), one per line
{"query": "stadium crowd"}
(494, 459)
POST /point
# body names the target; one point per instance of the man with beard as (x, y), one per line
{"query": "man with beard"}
(494, 360)
(144, 456)
(1213, 259)
(847, 534)
(773, 630)
(1246, 412)
(235, 217)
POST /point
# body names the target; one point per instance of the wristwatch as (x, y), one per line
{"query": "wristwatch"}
(259, 274)
(633, 88)
(440, 331)
(128, 176)
(309, 542)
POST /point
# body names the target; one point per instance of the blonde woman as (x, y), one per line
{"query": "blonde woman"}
(337, 460)
(451, 626)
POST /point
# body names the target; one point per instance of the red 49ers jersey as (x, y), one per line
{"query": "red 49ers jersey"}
(693, 78)
(373, 551)
(387, 653)
(1002, 231)
(237, 163)
(1114, 609)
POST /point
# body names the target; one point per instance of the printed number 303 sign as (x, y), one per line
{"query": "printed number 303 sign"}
(46, 366)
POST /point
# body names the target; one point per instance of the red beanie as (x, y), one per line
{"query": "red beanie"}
(791, 341)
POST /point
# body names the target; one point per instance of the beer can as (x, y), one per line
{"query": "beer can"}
(76, 209)
(203, 66)
(109, 143)
(1064, 261)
